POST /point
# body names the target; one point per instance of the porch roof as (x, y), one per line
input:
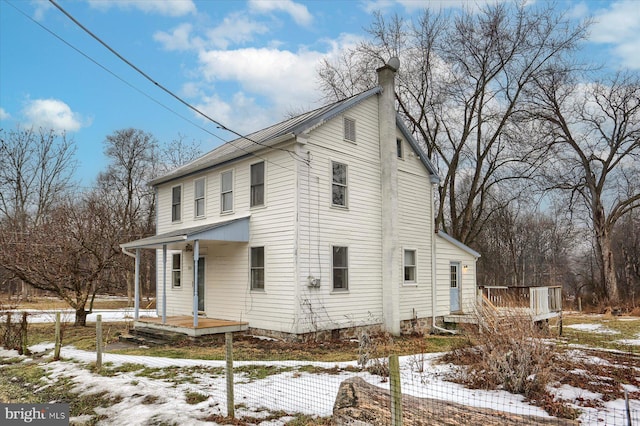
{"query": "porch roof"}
(231, 230)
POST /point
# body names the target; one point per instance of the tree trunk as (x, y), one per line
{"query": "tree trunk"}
(81, 317)
(605, 254)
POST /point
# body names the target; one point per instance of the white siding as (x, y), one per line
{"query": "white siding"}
(415, 205)
(447, 253)
(356, 227)
(227, 294)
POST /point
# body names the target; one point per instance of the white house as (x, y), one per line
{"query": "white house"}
(320, 223)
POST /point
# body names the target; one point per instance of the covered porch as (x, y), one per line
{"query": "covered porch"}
(189, 242)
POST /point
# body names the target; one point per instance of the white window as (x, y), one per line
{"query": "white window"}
(409, 266)
(454, 275)
(199, 191)
(176, 203)
(257, 184)
(176, 268)
(226, 191)
(399, 152)
(257, 268)
(338, 184)
(340, 260)
(350, 129)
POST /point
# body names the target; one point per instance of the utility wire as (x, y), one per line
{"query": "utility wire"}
(165, 89)
(136, 88)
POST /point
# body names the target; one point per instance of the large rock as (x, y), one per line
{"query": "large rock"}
(361, 404)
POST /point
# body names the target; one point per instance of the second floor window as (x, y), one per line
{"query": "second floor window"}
(198, 191)
(176, 203)
(338, 184)
(349, 129)
(257, 184)
(226, 191)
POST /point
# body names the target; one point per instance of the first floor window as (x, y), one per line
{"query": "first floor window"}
(257, 268)
(176, 203)
(340, 268)
(176, 267)
(338, 184)
(410, 266)
(198, 190)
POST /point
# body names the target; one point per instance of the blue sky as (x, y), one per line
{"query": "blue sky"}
(245, 63)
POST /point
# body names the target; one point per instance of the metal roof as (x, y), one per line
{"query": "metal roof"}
(229, 230)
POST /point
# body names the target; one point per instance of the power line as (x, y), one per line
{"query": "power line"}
(165, 89)
(53, 33)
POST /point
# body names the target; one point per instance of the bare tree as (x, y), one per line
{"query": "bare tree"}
(35, 171)
(67, 253)
(176, 153)
(133, 159)
(593, 130)
(460, 86)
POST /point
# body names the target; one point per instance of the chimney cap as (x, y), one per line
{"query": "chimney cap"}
(393, 64)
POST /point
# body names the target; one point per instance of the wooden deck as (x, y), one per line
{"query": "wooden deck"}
(184, 325)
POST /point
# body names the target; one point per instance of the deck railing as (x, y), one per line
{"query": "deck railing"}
(543, 302)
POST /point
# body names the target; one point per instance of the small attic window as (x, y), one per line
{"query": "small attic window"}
(349, 129)
(399, 151)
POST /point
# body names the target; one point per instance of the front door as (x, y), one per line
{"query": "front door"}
(455, 286)
(201, 269)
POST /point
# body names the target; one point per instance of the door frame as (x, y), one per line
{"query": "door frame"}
(202, 291)
(458, 287)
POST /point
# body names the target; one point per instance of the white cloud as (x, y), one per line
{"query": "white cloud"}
(179, 38)
(52, 114)
(298, 12)
(4, 115)
(41, 7)
(237, 29)
(161, 7)
(619, 25)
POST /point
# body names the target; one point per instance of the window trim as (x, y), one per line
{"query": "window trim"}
(257, 268)
(345, 185)
(414, 266)
(203, 198)
(173, 218)
(222, 192)
(178, 270)
(333, 268)
(264, 185)
(349, 124)
(457, 266)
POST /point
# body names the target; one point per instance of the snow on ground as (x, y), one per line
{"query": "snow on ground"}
(291, 386)
(630, 342)
(594, 328)
(68, 315)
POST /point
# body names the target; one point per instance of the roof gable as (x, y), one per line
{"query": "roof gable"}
(270, 136)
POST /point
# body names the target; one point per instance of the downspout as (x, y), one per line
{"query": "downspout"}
(434, 234)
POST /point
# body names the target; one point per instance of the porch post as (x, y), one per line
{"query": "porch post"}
(196, 255)
(136, 291)
(164, 284)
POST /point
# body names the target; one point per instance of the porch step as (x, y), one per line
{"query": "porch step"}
(151, 336)
(460, 319)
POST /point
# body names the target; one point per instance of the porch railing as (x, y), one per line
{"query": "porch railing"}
(542, 302)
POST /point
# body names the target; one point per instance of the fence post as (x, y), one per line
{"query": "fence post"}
(396, 392)
(23, 335)
(56, 351)
(228, 340)
(98, 342)
(579, 304)
(626, 404)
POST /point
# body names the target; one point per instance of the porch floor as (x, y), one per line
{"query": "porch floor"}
(184, 325)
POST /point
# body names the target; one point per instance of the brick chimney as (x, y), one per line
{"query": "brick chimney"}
(391, 259)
